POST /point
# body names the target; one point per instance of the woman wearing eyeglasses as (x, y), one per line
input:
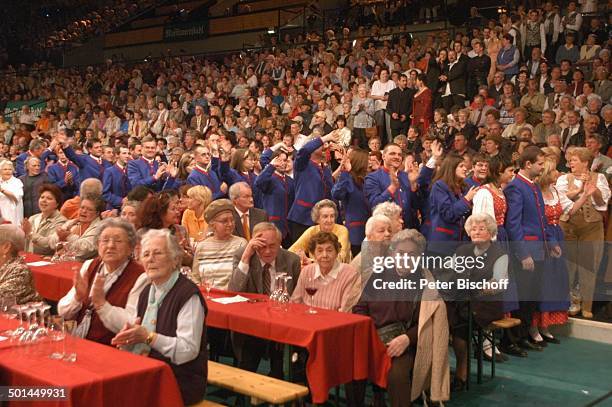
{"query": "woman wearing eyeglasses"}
(106, 289)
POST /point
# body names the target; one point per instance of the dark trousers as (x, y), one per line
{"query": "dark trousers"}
(551, 48)
(528, 287)
(453, 100)
(249, 351)
(296, 230)
(398, 383)
(359, 138)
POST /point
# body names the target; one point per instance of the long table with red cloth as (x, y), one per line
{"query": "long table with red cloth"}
(54, 280)
(341, 347)
(101, 376)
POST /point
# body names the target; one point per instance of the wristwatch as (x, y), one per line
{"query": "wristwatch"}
(150, 338)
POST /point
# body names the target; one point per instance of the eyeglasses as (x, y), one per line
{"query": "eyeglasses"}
(108, 240)
(225, 221)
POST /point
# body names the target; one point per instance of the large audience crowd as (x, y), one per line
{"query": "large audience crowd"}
(236, 173)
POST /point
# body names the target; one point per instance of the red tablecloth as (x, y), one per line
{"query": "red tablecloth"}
(101, 376)
(341, 347)
(52, 281)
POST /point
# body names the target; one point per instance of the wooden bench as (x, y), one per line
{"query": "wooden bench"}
(259, 388)
(206, 403)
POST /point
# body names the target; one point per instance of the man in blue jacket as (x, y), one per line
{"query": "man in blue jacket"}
(116, 184)
(147, 170)
(530, 241)
(65, 174)
(36, 149)
(207, 171)
(90, 165)
(390, 184)
(313, 182)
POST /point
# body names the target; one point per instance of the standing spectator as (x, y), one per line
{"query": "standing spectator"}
(399, 106)
(422, 113)
(32, 182)
(11, 194)
(454, 76)
(508, 58)
(116, 183)
(478, 68)
(380, 94)
(363, 111)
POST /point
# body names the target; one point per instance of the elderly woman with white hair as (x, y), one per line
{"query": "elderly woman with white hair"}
(392, 211)
(490, 264)
(324, 215)
(11, 194)
(106, 289)
(15, 277)
(378, 229)
(171, 316)
(401, 324)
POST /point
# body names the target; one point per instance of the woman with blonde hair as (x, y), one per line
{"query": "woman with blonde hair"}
(584, 197)
(554, 288)
(198, 199)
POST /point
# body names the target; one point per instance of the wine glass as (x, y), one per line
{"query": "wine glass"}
(311, 290)
(57, 256)
(6, 305)
(57, 333)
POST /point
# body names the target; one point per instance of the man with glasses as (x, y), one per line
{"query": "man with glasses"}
(207, 170)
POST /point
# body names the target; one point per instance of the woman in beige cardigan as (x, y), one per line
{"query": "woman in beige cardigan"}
(39, 228)
(414, 326)
(78, 235)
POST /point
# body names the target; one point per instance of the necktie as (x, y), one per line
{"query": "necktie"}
(245, 226)
(136, 130)
(265, 279)
(479, 117)
(557, 97)
(564, 136)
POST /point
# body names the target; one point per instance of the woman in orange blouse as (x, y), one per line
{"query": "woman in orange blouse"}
(198, 198)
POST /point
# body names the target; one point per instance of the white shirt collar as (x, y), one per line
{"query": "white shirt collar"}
(240, 213)
(332, 274)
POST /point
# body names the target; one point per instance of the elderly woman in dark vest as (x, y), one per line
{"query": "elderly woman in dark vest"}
(171, 317)
(106, 288)
(491, 264)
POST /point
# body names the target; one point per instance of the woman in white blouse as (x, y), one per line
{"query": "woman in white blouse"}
(584, 198)
(11, 194)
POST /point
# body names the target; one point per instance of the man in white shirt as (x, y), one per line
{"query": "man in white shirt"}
(380, 94)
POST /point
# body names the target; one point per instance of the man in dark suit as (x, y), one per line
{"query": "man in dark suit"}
(399, 106)
(255, 269)
(454, 75)
(246, 216)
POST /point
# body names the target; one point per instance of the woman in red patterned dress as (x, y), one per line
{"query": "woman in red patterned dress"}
(422, 112)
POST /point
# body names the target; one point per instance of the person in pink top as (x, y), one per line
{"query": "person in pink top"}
(330, 284)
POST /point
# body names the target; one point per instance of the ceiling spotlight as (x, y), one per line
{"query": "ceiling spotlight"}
(271, 30)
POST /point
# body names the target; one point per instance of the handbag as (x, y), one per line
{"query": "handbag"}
(391, 331)
(371, 132)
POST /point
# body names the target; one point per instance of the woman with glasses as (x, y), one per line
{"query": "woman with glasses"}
(77, 236)
(213, 259)
(171, 324)
(106, 289)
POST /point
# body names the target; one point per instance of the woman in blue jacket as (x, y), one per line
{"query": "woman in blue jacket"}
(450, 202)
(348, 190)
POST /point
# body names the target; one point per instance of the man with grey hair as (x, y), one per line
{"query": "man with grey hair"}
(246, 216)
(36, 149)
(90, 186)
(32, 181)
(106, 289)
(255, 269)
